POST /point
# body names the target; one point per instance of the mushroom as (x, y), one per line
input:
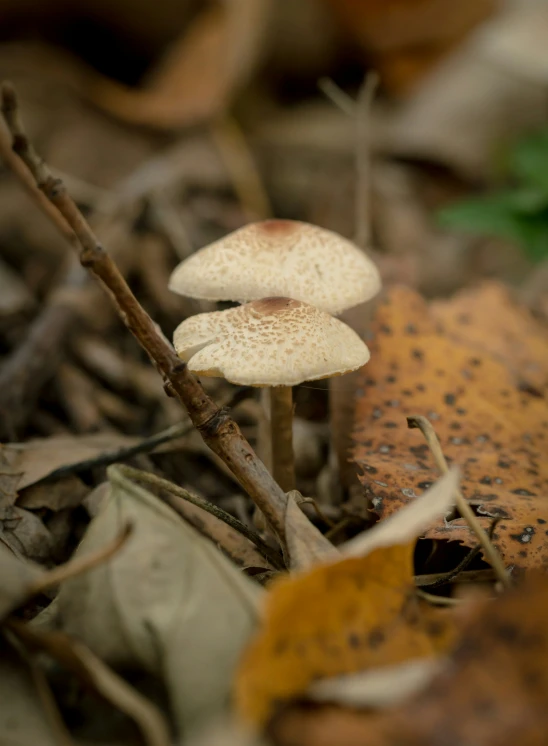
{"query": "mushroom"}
(280, 258)
(275, 342)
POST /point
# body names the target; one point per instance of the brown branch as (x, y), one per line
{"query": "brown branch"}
(218, 430)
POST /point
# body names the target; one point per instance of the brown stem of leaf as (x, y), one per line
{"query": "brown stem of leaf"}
(491, 553)
(217, 429)
(156, 482)
(281, 428)
(79, 565)
(96, 674)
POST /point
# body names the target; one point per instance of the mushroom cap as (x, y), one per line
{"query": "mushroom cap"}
(280, 258)
(269, 342)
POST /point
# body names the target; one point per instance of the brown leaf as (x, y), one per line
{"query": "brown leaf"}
(485, 424)
(37, 459)
(493, 693)
(345, 616)
(408, 37)
(487, 317)
(198, 76)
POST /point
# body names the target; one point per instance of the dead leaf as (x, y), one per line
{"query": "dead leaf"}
(169, 602)
(26, 535)
(67, 492)
(37, 459)
(409, 37)
(340, 617)
(378, 687)
(198, 75)
(495, 432)
(487, 317)
(15, 297)
(410, 521)
(16, 577)
(494, 692)
(10, 477)
(471, 102)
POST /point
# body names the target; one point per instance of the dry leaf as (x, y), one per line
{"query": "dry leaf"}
(37, 459)
(409, 37)
(61, 494)
(493, 693)
(16, 577)
(487, 317)
(198, 75)
(15, 297)
(378, 687)
(476, 98)
(495, 432)
(169, 602)
(26, 535)
(338, 618)
(408, 522)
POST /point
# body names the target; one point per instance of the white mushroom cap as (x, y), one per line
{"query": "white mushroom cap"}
(280, 258)
(269, 342)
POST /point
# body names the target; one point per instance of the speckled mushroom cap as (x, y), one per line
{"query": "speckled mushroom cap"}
(269, 342)
(280, 258)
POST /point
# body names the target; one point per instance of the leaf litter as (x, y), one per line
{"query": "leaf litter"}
(486, 424)
(130, 611)
(163, 604)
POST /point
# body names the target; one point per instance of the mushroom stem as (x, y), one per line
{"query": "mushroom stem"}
(281, 424)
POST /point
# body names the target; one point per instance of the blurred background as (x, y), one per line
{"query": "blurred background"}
(176, 121)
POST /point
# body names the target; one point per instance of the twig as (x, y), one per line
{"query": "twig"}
(470, 576)
(364, 103)
(60, 732)
(79, 565)
(159, 483)
(360, 110)
(336, 95)
(438, 600)
(463, 507)
(444, 578)
(218, 430)
(91, 669)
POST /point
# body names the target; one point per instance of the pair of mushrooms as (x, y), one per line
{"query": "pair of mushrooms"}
(295, 275)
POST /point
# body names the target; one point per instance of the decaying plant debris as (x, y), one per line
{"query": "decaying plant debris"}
(160, 582)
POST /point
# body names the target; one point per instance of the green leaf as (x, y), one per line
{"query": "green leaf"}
(529, 161)
(497, 215)
(494, 215)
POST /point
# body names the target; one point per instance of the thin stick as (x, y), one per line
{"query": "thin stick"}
(469, 576)
(361, 111)
(437, 600)
(281, 433)
(425, 426)
(60, 731)
(91, 669)
(79, 565)
(364, 104)
(217, 429)
(153, 480)
(336, 95)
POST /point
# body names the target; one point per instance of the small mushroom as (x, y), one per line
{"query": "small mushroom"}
(275, 342)
(280, 258)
